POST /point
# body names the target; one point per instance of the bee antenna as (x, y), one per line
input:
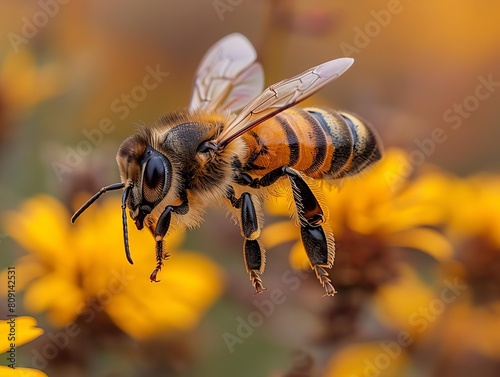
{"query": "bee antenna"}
(124, 220)
(88, 203)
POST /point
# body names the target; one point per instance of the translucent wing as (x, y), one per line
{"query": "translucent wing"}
(228, 75)
(281, 96)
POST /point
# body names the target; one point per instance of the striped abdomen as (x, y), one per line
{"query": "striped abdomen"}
(320, 142)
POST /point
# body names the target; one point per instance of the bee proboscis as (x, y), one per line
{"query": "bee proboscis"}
(235, 144)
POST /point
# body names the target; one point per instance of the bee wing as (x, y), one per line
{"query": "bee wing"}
(281, 96)
(228, 75)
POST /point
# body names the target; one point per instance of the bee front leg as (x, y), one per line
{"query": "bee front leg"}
(162, 226)
(253, 252)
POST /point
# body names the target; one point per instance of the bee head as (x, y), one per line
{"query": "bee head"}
(146, 177)
(147, 172)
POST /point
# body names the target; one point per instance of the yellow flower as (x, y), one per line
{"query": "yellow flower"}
(472, 220)
(77, 271)
(25, 331)
(472, 323)
(372, 216)
(454, 311)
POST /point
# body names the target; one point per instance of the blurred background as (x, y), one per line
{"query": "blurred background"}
(417, 269)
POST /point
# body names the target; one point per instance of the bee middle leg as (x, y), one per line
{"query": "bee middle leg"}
(319, 246)
(253, 252)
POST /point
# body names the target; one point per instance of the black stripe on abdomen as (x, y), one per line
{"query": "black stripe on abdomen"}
(316, 121)
(342, 139)
(366, 146)
(291, 137)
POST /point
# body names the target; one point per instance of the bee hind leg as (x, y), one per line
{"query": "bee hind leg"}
(253, 252)
(317, 238)
(319, 252)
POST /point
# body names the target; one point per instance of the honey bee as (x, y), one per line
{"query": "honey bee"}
(207, 154)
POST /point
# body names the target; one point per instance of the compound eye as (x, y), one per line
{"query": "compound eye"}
(154, 179)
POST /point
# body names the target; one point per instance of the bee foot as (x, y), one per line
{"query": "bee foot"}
(325, 281)
(257, 282)
(154, 274)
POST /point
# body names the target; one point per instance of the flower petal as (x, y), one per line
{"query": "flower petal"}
(25, 330)
(426, 240)
(27, 270)
(20, 372)
(41, 227)
(396, 302)
(278, 233)
(298, 257)
(57, 295)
